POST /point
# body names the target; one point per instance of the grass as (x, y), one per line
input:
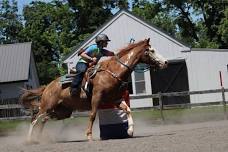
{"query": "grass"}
(182, 115)
(9, 125)
(153, 116)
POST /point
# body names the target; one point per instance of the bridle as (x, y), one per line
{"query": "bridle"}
(125, 65)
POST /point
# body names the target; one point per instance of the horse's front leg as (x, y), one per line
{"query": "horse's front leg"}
(127, 109)
(92, 116)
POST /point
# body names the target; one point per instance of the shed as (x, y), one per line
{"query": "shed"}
(17, 70)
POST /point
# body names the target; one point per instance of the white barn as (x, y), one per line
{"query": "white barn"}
(184, 72)
(17, 70)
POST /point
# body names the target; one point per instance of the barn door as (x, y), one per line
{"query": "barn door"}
(172, 79)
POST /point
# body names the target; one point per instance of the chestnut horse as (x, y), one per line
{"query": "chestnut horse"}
(108, 84)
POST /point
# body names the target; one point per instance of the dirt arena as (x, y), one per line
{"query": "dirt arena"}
(209, 136)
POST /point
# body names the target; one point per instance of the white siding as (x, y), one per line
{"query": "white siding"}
(203, 73)
(141, 103)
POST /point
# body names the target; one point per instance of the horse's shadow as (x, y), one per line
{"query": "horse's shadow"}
(134, 137)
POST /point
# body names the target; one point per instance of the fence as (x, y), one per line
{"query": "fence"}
(186, 93)
(11, 109)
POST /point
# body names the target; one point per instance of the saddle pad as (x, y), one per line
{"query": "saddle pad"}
(67, 78)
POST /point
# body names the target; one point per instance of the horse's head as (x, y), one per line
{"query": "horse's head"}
(152, 57)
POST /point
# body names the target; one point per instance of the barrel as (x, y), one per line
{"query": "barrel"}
(113, 122)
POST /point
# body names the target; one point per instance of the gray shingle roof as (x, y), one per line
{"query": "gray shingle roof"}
(14, 62)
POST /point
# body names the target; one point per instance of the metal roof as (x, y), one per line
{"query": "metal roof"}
(14, 62)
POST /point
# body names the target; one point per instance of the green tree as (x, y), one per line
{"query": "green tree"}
(49, 26)
(223, 29)
(203, 30)
(10, 22)
(200, 23)
(56, 27)
(155, 14)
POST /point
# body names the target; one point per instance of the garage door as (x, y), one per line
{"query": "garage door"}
(172, 79)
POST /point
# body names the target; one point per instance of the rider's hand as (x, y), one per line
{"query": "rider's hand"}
(94, 59)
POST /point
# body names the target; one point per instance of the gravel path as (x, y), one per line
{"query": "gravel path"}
(195, 137)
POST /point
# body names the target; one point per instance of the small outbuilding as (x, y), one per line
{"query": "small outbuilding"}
(17, 70)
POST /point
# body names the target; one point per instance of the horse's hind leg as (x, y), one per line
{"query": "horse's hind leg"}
(127, 109)
(36, 127)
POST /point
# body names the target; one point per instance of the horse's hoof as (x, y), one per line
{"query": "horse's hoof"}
(89, 137)
(130, 132)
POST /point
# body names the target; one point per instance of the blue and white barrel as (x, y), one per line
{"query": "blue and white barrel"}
(113, 122)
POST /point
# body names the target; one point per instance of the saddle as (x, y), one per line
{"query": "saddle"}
(66, 80)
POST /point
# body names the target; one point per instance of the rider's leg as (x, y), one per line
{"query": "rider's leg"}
(81, 68)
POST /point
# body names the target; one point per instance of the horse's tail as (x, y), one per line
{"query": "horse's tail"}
(30, 99)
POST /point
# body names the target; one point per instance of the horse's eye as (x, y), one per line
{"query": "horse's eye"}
(146, 52)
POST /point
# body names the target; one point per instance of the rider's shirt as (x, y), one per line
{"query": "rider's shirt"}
(93, 51)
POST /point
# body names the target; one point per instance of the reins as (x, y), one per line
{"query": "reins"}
(113, 74)
(119, 61)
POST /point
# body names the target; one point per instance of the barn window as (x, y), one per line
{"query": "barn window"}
(140, 83)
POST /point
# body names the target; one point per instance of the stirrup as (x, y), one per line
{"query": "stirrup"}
(83, 94)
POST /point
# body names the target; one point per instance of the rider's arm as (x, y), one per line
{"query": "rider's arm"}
(87, 57)
(108, 53)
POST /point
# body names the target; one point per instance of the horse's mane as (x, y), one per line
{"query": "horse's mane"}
(122, 52)
(125, 50)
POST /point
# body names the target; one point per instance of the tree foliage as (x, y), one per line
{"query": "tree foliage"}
(10, 22)
(155, 14)
(200, 23)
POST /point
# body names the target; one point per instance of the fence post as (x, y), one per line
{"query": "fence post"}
(161, 105)
(224, 103)
(223, 95)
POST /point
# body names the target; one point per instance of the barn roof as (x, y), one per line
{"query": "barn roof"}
(113, 19)
(209, 49)
(14, 62)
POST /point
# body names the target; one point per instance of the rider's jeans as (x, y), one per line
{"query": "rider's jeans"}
(81, 68)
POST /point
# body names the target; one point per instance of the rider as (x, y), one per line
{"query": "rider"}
(91, 54)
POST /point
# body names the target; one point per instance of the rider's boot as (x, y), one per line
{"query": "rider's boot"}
(73, 91)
